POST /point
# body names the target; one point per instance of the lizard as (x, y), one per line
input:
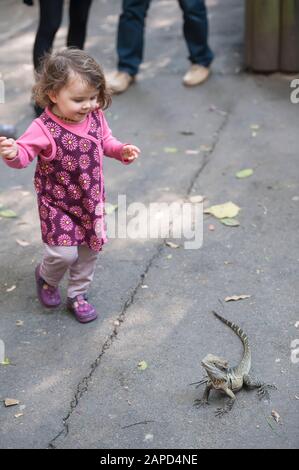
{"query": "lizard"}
(229, 379)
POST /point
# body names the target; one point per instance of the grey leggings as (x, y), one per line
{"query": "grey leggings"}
(79, 260)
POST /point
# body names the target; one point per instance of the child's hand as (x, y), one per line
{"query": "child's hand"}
(8, 148)
(130, 153)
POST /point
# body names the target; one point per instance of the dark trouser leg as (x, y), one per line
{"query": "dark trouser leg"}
(130, 35)
(49, 22)
(79, 11)
(196, 31)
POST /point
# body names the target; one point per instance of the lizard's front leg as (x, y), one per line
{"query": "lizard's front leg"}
(221, 411)
(262, 391)
(205, 398)
(203, 381)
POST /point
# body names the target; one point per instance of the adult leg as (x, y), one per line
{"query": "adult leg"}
(49, 22)
(196, 31)
(130, 36)
(79, 11)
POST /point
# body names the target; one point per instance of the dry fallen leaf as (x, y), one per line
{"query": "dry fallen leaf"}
(22, 242)
(218, 110)
(11, 402)
(18, 415)
(172, 245)
(206, 148)
(10, 289)
(187, 132)
(19, 322)
(198, 198)
(221, 211)
(276, 416)
(237, 297)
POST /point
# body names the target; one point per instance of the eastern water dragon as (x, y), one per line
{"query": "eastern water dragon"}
(229, 379)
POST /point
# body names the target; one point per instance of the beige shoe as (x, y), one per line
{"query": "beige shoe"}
(196, 75)
(118, 82)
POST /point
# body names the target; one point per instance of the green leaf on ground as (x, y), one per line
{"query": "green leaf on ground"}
(8, 213)
(110, 208)
(170, 149)
(6, 362)
(230, 222)
(142, 365)
(221, 211)
(244, 173)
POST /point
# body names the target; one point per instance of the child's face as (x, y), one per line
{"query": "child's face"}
(76, 99)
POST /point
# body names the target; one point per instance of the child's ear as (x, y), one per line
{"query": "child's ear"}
(52, 96)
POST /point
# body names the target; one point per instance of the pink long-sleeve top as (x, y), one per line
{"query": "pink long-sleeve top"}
(35, 141)
(69, 179)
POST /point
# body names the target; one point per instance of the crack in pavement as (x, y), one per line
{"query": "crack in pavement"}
(206, 158)
(82, 387)
(84, 383)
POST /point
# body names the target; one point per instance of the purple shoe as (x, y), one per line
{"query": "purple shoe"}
(83, 311)
(49, 296)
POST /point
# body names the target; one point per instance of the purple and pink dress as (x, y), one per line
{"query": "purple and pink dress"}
(69, 178)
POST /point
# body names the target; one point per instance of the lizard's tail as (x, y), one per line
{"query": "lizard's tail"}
(245, 363)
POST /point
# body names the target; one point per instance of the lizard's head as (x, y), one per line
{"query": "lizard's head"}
(216, 368)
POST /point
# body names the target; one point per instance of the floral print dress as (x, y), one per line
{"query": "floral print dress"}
(70, 186)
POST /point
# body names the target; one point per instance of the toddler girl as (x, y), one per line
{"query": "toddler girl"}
(69, 140)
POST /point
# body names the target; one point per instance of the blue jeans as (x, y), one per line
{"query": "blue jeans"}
(131, 32)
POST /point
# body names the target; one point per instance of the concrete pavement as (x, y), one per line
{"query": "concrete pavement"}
(79, 386)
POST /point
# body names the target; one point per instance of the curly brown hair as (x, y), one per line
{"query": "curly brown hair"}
(55, 72)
